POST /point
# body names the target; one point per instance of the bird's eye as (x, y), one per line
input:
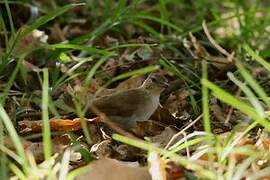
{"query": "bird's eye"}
(154, 80)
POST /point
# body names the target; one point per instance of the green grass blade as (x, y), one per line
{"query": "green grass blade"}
(78, 104)
(2, 101)
(265, 172)
(46, 132)
(147, 28)
(90, 50)
(188, 144)
(194, 135)
(3, 156)
(13, 45)
(136, 72)
(230, 168)
(205, 100)
(11, 81)
(114, 20)
(10, 18)
(234, 102)
(3, 28)
(179, 159)
(233, 142)
(108, 23)
(243, 167)
(257, 58)
(13, 134)
(131, 45)
(206, 114)
(253, 83)
(121, 7)
(108, 4)
(11, 154)
(158, 20)
(105, 26)
(92, 72)
(252, 98)
(44, 19)
(70, 73)
(17, 171)
(164, 14)
(176, 71)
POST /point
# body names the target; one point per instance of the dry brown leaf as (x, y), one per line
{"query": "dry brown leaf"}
(30, 41)
(110, 67)
(221, 63)
(126, 152)
(163, 139)
(177, 102)
(174, 171)
(105, 169)
(36, 148)
(164, 117)
(102, 149)
(27, 126)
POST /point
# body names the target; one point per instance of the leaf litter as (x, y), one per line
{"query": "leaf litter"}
(162, 129)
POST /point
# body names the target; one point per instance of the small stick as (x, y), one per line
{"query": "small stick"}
(231, 109)
(182, 131)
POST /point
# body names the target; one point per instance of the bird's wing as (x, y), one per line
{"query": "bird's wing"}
(124, 103)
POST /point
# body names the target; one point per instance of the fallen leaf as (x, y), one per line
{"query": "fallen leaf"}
(30, 41)
(126, 152)
(110, 67)
(102, 149)
(164, 138)
(27, 126)
(36, 148)
(174, 171)
(105, 169)
(177, 102)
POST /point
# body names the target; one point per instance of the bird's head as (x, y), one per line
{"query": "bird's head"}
(156, 83)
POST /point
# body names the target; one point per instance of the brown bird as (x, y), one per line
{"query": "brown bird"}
(127, 107)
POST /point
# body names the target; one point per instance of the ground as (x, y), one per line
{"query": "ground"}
(59, 56)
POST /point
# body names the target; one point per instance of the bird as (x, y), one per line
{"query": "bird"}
(126, 107)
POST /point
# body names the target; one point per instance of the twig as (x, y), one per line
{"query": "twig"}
(213, 42)
(182, 131)
(231, 109)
